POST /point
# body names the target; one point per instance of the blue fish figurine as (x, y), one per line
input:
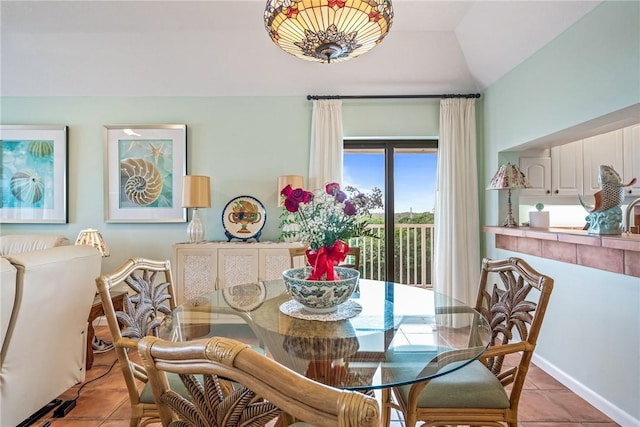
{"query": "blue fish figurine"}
(611, 192)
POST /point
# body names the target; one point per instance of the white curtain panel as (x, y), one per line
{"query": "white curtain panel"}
(325, 158)
(457, 235)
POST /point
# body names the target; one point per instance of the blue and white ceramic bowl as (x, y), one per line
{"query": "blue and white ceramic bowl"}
(320, 296)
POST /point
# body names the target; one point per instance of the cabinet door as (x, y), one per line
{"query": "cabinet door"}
(566, 169)
(605, 149)
(631, 152)
(237, 266)
(538, 173)
(273, 262)
(195, 271)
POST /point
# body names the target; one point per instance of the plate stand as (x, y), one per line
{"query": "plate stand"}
(256, 237)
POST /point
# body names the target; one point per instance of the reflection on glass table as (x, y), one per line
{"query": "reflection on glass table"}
(401, 335)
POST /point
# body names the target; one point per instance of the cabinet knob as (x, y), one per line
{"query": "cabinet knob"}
(559, 191)
(630, 191)
(548, 191)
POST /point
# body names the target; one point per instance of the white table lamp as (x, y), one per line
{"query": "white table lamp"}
(196, 193)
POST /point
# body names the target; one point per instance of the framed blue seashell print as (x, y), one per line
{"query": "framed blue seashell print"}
(145, 165)
(34, 174)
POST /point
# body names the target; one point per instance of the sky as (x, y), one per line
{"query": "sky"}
(415, 177)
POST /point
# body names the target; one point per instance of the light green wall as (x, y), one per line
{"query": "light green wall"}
(243, 143)
(391, 117)
(592, 329)
(588, 71)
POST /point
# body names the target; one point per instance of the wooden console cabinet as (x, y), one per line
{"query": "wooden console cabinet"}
(203, 267)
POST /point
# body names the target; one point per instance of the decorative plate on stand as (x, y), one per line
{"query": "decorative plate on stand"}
(243, 218)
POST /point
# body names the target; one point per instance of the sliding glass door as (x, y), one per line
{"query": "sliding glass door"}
(404, 170)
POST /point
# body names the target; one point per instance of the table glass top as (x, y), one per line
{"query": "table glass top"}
(402, 334)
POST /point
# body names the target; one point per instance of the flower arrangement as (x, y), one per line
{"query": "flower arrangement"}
(327, 219)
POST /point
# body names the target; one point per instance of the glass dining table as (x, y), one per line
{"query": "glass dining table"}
(389, 334)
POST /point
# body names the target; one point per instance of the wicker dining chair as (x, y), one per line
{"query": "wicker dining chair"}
(264, 389)
(513, 297)
(299, 254)
(149, 284)
(354, 252)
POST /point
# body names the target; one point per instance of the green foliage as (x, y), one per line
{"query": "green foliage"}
(414, 218)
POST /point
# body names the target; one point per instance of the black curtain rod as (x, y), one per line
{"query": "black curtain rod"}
(450, 95)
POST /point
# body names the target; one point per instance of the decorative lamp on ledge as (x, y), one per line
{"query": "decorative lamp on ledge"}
(510, 177)
(196, 194)
(92, 237)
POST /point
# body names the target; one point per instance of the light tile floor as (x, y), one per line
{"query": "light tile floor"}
(104, 402)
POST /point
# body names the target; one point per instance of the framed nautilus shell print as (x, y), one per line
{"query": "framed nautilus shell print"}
(34, 174)
(143, 173)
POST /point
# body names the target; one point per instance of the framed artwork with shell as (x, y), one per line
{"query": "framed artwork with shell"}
(34, 174)
(143, 173)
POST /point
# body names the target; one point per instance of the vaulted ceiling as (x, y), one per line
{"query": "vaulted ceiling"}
(221, 48)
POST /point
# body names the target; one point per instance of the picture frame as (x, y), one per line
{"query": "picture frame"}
(144, 168)
(34, 183)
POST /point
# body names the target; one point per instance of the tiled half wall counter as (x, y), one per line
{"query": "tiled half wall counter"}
(615, 253)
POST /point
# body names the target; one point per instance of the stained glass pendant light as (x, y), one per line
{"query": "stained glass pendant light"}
(327, 30)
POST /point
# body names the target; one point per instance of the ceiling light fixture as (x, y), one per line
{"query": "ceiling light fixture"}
(327, 30)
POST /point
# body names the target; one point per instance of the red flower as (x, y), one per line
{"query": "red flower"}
(374, 16)
(286, 190)
(336, 4)
(349, 208)
(295, 197)
(332, 188)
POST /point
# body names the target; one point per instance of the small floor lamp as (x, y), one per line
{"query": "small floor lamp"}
(92, 237)
(196, 194)
(510, 177)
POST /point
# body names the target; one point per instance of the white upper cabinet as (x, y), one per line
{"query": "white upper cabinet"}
(538, 173)
(567, 169)
(604, 149)
(557, 175)
(631, 151)
(573, 168)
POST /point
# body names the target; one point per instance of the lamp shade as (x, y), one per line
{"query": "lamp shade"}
(327, 30)
(295, 181)
(92, 237)
(508, 176)
(196, 191)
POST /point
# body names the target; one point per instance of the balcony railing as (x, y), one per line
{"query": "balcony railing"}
(413, 254)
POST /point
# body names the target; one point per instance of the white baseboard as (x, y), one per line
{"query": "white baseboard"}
(603, 405)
